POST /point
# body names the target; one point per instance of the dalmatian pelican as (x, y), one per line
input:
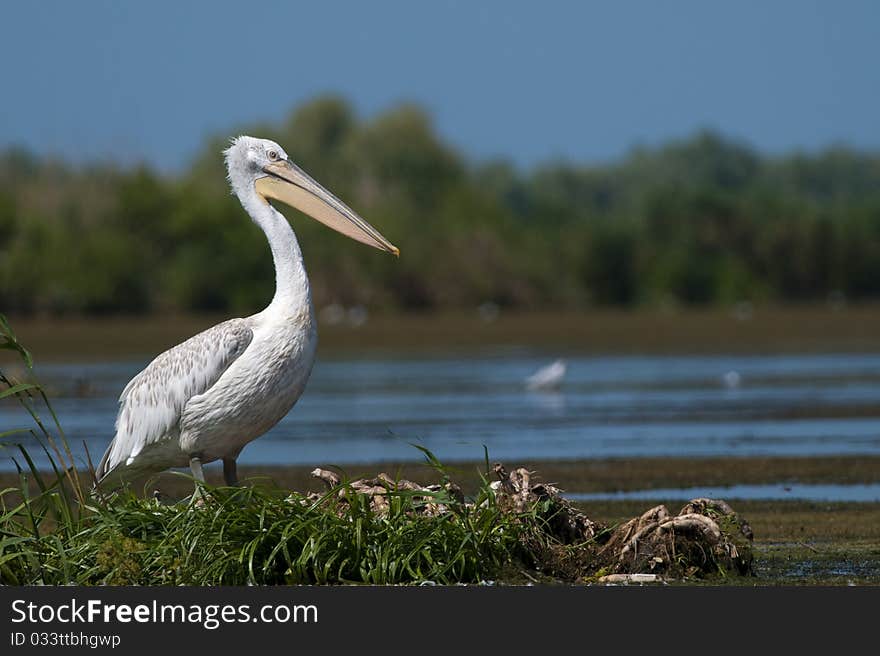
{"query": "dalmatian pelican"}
(206, 398)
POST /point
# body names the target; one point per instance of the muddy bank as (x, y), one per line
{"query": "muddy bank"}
(606, 475)
(778, 329)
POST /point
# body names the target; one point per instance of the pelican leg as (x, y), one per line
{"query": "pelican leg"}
(230, 472)
(195, 466)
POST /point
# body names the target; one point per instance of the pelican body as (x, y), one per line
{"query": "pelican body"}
(205, 399)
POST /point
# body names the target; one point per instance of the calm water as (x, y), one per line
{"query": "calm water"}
(362, 410)
(780, 491)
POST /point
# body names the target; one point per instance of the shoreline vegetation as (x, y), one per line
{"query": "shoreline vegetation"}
(795, 542)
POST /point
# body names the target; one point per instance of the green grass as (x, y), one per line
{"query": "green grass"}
(251, 536)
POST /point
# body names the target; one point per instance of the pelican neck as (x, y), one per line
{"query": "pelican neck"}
(292, 291)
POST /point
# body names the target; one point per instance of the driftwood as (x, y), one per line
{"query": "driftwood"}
(705, 538)
(379, 488)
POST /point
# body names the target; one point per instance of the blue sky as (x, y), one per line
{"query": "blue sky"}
(530, 81)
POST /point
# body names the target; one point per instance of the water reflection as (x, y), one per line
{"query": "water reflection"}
(550, 402)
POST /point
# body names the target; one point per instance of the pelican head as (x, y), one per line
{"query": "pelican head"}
(263, 165)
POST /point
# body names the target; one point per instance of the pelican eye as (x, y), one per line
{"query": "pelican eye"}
(273, 155)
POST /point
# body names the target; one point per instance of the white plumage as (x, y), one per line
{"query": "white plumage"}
(548, 377)
(205, 399)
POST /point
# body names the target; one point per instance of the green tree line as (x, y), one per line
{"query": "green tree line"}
(697, 221)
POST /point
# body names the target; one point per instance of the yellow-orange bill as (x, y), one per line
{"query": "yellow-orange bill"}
(291, 185)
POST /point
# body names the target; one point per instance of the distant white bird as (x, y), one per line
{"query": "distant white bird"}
(205, 399)
(731, 379)
(548, 377)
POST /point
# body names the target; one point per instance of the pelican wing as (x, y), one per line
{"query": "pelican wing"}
(151, 404)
